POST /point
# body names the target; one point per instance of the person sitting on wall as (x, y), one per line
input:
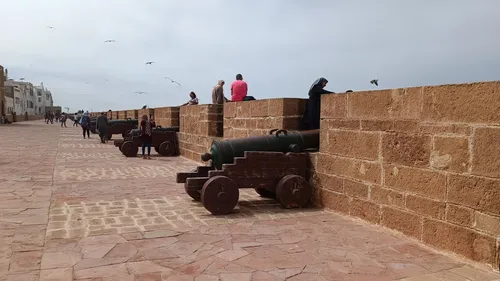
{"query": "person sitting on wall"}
(239, 89)
(193, 100)
(310, 120)
(218, 93)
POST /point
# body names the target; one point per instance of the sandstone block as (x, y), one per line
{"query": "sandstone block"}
(334, 106)
(334, 201)
(478, 193)
(408, 223)
(423, 182)
(469, 103)
(377, 125)
(258, 108)
(407, 126)
(386, 196)
(460, 215)
(386, 104)
(341, 124)
(450, 153)
(425, 206)
(487, 223)
(445, 129)
(461, 240)
(365, 210)
(229, 110)
(355, 189)
(328, 182)
(486, 152)
(406, 149)
(356, 144)
(351, 168)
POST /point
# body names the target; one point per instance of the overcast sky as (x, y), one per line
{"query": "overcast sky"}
(280, 46)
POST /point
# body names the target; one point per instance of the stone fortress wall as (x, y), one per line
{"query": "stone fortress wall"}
(424, 161)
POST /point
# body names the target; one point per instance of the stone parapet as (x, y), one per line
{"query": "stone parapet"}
(199, 125)
(167, 116)
(424, 161)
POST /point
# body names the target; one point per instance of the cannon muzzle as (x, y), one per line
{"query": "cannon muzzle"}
(206, 156)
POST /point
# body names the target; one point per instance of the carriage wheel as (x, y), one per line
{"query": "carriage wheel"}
(166, 149)
(129, 149)
(220, 195)
(193, 193)
(265, 193)
(293, 191)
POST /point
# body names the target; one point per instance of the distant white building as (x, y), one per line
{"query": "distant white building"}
(43, 99)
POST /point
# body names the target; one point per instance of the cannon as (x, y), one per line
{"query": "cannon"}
(224, 151)
(164, 142)
(115, 126)
(275, 165)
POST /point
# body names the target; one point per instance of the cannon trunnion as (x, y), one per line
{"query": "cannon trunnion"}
(164, 142)
(275, 165)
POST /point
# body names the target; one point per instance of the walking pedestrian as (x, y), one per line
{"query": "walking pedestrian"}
(102, 126)
(85, 123)
(63, 120)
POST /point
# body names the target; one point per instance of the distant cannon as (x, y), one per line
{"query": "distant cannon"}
(164, 142)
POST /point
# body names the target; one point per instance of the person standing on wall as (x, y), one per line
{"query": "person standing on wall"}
(312, 114)
(239, 89)
(218, 93)
(102, 126)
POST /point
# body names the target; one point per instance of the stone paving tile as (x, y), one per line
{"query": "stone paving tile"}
(74, 209)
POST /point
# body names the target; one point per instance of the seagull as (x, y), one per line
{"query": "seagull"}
(173, 81)
(375, 82)
(150, 62)
(140, 93)
(144, 107)
(109, 41)
(21, 79)
(51, 27)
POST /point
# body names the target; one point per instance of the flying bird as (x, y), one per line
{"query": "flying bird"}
(51, 27)
(109, 41)
(375, 82)
(150, 62)
(141, 93)
(173, 81)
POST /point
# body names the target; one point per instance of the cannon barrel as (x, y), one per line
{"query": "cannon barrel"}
(224, 151)
(137, 132)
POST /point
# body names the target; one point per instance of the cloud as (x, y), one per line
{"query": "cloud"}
(279, 46)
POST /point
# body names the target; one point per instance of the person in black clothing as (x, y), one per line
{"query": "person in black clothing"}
(310, 120)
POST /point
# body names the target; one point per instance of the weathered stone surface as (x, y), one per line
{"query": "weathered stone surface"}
(356, 144)
(475, 192)
(473, 103)
(406, 149)
(406, 222)
(423, 182)
(460, 215)
(486, 160)
(425, 206)
(450, 153)
(461, 240)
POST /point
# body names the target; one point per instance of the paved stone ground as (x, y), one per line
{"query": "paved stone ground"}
(73, 209)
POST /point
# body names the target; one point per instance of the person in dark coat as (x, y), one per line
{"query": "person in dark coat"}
(310, 120)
